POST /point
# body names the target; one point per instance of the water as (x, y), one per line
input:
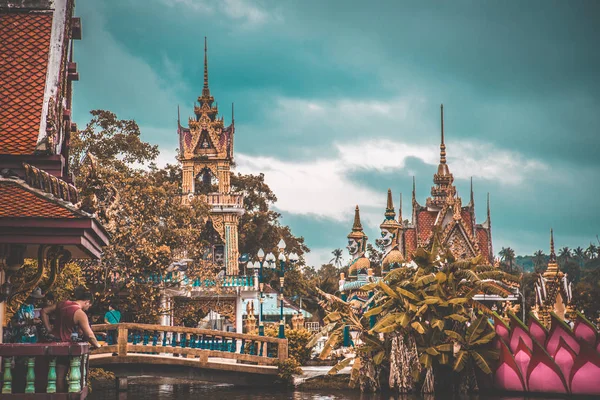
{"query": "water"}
(177, 389)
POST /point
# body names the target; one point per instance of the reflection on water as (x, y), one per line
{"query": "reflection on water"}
(171, 389)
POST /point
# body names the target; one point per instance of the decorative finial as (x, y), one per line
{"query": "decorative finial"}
(178, 117)
(488, 206)
(472, 199)
(357, 226)
(552, 253)
(442, 145)
(205, 63)
(400, 210)
(390, 213)
(414, 191)
(232, 115)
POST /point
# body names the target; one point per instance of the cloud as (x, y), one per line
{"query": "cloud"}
(323, 186)
(249, 13)
(319, 256)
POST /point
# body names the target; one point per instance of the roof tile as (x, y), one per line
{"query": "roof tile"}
(18, 202)
(23, 62)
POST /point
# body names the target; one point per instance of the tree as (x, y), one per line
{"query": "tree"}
(423, 314)
(337, 257)
(539, 261)
(591, 251)
(564, 254)
(141, 208)
(508, 256)
(580, 255)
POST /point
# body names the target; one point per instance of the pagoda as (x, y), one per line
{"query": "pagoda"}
(444, 219)
(206, 154)
(553, 291)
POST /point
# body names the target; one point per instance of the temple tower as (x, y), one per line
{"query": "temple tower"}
(206, 154)
(553, 291)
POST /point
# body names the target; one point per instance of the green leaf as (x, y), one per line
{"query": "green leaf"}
(445, 347)
(457, 317)
(384, 322)
(373, 311)
(437, 323)
(407, 293)
(485, 339)
(431, 300)
(421, 310)
(454, 335)
(460, 361)
(340, 366)
(388, 290)
(441, 277)
(379, 357)
(481, 362)
(444, 358)
(425, 360)
(458, 300)
(432, 351)
(418, 327)
(403, 320)
(475, 329)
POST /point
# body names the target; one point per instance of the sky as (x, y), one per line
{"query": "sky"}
(337, 101)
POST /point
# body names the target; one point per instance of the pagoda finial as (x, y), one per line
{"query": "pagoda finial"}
(488, 206)
(400, 210)
(472, 198)
(390, 213)
(442, 145)
(357, 226)
(178, 117)
(232, 115)
(552, 253)
(205, 90)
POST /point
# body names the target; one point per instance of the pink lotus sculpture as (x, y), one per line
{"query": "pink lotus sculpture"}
(561, 360)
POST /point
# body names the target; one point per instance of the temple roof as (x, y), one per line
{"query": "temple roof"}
(24, 53)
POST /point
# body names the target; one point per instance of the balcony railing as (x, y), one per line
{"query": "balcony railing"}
(29, 370)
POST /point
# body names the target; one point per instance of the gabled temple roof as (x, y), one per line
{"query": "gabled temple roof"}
(24, 54)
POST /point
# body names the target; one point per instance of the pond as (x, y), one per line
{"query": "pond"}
(177, 389)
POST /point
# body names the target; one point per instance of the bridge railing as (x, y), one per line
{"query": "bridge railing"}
(128, 338)
(29, 370)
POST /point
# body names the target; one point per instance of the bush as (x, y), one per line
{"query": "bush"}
(297, 341)
(286, 370)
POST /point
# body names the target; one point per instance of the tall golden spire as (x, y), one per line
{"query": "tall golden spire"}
(357, 226)
(552, 253)
(472, 199)
(442, 145)
(205, 90)
(390, 213)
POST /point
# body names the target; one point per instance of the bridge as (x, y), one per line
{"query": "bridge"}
(141, 349)
(157, 350)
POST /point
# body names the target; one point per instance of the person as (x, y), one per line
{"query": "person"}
(112, 316)
(24, 321)
(70, 317)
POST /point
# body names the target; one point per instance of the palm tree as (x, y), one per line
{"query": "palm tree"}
(539, 259)
(337, 257)
(591, 251)
(507, 255)
(580, 255)
(564, 254)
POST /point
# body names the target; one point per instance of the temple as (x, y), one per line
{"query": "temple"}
(43, 216)
(206, 154)
(445, 219)
(553, 292)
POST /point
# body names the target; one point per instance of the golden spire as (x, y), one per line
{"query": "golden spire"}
(442, 145)
(414, 191)
(552, 253)
(205, 90)
(232, 118)
(357, 226)
(472, 199)
(178, 117)
(390, 213)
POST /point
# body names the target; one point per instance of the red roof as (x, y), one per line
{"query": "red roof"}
(24, 54)
(482, 239)
(410, 241)
(18, 202)
(466, 217)
(426, 222)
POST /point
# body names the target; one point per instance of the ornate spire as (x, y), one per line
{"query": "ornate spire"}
(472, 200)
(442, 145)
(390, 213)
(232, 115)
(178, 117)
(357, 229)
(357, 226)
(205, 90)
(414, 191)
(552, 253)
(400, 211)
